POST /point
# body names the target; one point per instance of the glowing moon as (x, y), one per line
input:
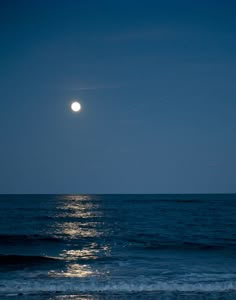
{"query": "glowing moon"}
(75, 106)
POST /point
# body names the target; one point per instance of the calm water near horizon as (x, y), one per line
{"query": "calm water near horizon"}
(118, 246)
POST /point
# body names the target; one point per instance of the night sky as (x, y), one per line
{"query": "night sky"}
(156, 81)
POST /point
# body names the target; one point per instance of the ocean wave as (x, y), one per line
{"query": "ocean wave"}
(76, 286)
(23, 238)
(183, 246)
(165, 200)
(151, 243)
(25, 259)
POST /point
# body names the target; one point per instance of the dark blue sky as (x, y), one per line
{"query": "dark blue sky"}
(156, 80)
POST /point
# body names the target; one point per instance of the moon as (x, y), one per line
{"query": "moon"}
(75, 106)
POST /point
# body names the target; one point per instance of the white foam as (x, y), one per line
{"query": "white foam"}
(76, 286)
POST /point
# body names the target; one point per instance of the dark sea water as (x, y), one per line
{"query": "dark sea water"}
(118, 247)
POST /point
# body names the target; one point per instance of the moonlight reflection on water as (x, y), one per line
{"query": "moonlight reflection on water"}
(80, 225)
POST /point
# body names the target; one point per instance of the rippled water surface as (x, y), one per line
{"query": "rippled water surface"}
(118, 246)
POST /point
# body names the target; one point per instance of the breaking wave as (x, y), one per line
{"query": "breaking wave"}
(78, 286)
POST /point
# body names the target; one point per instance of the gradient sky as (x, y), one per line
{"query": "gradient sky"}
(156, 80)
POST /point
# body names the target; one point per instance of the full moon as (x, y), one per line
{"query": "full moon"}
(75, 106)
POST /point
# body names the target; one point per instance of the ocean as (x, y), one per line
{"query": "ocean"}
(118, 247)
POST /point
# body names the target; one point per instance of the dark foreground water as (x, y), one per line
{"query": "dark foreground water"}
(118, 247)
